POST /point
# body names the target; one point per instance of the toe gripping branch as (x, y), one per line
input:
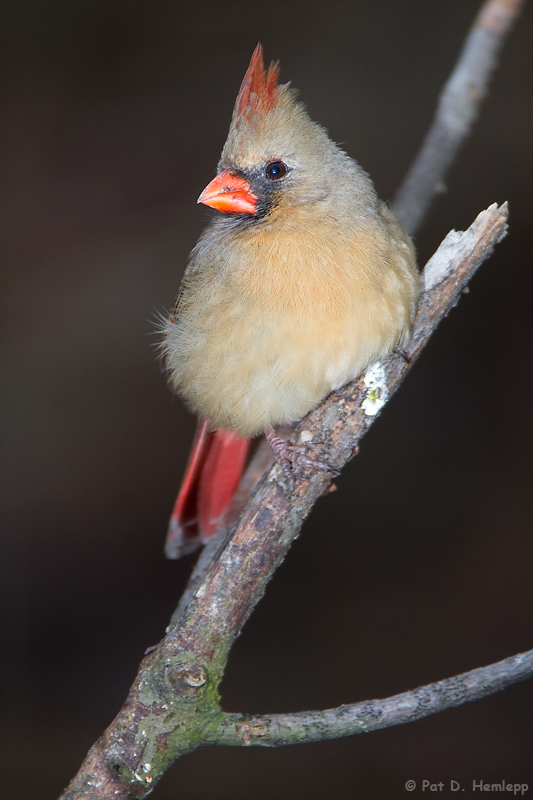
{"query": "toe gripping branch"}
(290, 455)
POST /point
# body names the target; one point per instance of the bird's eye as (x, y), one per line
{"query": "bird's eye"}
(275, 169)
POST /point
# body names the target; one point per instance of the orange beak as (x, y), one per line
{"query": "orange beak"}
(227, 192)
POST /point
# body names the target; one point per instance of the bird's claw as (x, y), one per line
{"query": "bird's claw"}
(399, 351)
(289, 455)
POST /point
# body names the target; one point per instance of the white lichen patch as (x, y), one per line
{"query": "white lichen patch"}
(306, 436)
(377, 393)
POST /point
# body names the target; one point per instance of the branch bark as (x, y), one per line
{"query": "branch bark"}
(457, 111)
(371, 715)
(173, 706)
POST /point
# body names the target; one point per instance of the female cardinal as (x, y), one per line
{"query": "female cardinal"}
(301, 281)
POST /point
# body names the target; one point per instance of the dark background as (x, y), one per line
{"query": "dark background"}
(113, 114)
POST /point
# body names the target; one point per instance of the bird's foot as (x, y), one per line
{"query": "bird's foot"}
(399, 351)
(289, 455)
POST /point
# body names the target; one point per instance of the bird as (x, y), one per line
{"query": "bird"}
(301, 280)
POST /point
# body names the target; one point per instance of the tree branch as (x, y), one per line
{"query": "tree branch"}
(173, 706)
(371, 715)
(457, 111)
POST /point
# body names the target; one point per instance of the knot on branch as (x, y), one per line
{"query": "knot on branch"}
(187, 679)
(173, 679)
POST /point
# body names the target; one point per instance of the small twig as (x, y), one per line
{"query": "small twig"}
(173, 706)
(315, 726)
(456, 112)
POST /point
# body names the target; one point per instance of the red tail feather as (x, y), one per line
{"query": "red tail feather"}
(215, 467)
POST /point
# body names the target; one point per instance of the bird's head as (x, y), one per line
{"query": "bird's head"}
(275, 157)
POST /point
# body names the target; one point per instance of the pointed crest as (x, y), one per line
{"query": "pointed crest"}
(259, 89)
